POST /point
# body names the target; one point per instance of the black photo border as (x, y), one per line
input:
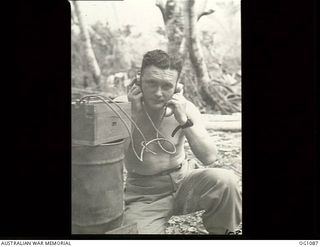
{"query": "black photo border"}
(280, 195)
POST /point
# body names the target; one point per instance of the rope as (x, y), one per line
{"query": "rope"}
(158, 132)
(144, 143)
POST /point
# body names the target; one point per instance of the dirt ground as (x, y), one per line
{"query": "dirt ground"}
(229, 157)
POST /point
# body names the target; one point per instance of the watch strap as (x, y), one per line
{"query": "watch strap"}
(189, 123)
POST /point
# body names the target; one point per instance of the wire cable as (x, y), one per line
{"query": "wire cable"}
(144, 143)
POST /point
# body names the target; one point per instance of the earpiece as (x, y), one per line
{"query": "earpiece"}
(138, 80)
(178, 90)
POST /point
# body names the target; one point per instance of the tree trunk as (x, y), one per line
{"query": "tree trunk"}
(173, 21)
(88, 50)
(180, 23)
(208, 92)
(193, 43)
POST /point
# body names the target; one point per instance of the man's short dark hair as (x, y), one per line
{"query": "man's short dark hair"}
(162, 60)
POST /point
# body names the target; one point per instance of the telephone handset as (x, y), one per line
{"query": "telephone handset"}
(178, 90)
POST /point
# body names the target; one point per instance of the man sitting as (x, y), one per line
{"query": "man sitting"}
(160, 181)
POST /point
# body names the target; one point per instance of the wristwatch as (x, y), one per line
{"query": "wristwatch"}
(189, 123)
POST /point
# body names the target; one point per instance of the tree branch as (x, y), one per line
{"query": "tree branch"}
(161, 6)
(88, 50)
(183, 49)
(209, 12)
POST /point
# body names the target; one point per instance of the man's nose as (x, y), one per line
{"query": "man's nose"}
(158, 92)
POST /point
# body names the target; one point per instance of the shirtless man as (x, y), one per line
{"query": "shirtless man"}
(163, 183)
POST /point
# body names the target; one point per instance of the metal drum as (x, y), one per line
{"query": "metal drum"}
(97, 187)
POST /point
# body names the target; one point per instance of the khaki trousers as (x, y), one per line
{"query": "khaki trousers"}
(151, 200)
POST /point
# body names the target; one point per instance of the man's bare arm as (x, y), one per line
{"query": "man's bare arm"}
(199, 139)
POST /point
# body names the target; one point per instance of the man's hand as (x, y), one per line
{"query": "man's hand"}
(178, 104)
(135, 97)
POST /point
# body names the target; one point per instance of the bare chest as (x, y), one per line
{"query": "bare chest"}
(162, 131)
(164, 151)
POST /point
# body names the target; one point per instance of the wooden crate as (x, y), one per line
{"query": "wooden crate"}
(94, 123)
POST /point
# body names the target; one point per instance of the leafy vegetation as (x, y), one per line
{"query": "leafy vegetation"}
(120, 51)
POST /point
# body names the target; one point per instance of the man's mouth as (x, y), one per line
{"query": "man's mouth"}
(158, 101)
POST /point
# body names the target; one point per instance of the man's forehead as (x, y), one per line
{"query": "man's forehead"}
(153, 71)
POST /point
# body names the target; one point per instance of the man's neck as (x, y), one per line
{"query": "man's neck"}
(155, 114)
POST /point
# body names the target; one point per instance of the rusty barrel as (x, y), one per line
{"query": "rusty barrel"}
(97, 187)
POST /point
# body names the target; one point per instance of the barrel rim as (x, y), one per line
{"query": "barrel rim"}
(112, 143)
(99, 163)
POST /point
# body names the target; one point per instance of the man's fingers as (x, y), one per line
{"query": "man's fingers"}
(138, 95)
(135, 97)
(135, 90)
(172, 103)
(134, 81)
(178, 97)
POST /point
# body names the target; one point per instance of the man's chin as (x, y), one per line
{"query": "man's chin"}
(154, 106)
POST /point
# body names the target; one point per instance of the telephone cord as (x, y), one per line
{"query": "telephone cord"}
(144, 143)
(159, 133)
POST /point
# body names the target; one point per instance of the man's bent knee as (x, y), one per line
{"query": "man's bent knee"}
(221, 176)
(224, 210)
